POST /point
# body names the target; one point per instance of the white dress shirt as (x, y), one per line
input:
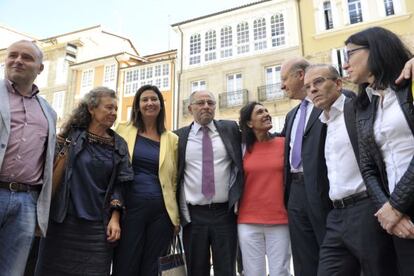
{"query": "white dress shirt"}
(343, 172)
(393, 135)
(309, 109)
(193, 167)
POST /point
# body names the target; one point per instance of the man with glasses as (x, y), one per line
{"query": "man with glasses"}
(354, 240)
(210, 182)
(306, 182)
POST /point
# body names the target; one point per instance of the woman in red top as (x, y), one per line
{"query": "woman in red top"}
(262, 220)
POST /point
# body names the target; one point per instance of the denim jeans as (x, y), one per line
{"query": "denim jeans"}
(17, 227)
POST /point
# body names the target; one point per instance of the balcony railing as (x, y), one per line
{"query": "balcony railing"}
(185, 106)
(233, 98)
(270, 92)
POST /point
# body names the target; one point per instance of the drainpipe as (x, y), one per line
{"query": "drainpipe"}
(302, 51)
(176, 95)
(118, 72)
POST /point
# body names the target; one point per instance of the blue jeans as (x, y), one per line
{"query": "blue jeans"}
(17, 227)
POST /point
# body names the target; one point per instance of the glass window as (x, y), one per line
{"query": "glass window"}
(242, 38)
(143, 74)
(259, 33)
(198, 85)
(234, 89)
(195, 48)
(87, 81)
(131, 82)
(278, 30)
(389, 7)
(149, 72)
(210, 45)
(273, 89)
(165, 69)
(226, 44)
(110, 76)
(327, 14)
(157, 71)
(355, 11)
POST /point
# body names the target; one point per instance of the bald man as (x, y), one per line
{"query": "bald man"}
(306, 182)
(27, 142)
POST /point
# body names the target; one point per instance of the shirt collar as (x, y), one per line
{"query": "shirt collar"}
(373, 92)
(336, 108)
(11, 87)
(196, 127)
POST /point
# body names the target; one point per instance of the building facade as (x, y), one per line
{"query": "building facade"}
(326, 24)
(236, 54)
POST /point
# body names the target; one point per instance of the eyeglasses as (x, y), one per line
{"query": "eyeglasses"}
(349, 53)
(317, 83)
(204, 102)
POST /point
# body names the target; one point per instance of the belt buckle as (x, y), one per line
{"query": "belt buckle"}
(340, 204)
(14, 187)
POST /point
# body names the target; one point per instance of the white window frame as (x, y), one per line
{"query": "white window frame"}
(198, 85)
(195, 49)
(243, 40)
(259, 34)
(357, 6)
(273, 84)
(385, 2)
(166, 69)
(131, 81)
(277, 26)
(234, 84)
(157, 70)
(328, 22)
(110, 76)
(87, 80)
(226, 42)
(210, 45)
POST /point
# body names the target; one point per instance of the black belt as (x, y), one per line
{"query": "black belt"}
(297, 176)
(211, 206)
(19, 187)
(350, 200)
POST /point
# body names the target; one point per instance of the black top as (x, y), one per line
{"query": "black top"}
(145, 162)
(90, 179)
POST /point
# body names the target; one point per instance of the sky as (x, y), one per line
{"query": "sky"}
(145, 22)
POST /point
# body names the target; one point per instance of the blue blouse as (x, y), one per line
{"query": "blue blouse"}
(145, 162)
(91, 176)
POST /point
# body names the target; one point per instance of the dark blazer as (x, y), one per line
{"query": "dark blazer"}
(313, 160)
(350, 123)
(122, 174)
(230, 134)
(372, 164)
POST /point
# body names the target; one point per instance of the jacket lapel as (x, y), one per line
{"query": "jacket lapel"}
(4, 105)
(163, 147)
(290, 124)
(312, 118)
(225, 137)
(350, 123)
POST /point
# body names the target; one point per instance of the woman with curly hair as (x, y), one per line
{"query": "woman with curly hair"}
(86, 209)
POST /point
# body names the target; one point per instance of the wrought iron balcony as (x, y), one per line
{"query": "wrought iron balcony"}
(233, 98)
(270, 92)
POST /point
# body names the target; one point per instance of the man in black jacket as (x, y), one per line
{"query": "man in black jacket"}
(210, 182)
(354, 240)
(306, 182)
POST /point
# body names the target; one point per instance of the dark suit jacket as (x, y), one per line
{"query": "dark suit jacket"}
(313, 160)
(230, 134)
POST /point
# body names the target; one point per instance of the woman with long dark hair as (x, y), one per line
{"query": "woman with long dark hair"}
(385, 122)
(86, 209)
(152, 211)
(262, 216)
